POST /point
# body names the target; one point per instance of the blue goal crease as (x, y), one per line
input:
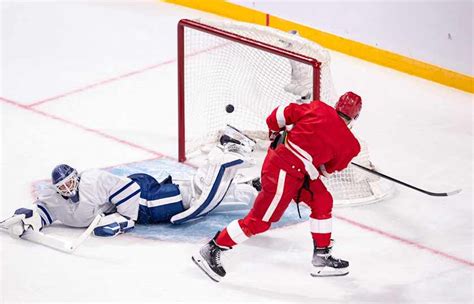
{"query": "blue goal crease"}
(194, 231)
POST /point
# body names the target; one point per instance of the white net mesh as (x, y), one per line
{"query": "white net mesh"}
(219, 72)
(354, 186)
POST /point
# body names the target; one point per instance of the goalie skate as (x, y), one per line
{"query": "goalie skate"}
(236, 141)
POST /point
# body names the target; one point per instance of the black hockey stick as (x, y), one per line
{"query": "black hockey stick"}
(405, 184)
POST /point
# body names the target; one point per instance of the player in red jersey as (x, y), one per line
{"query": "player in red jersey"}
(318, 142)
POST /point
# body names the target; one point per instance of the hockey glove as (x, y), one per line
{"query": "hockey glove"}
(273, 134)
(113, 224)
(22, 220)
(278, 139)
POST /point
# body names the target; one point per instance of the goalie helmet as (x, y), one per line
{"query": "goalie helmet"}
(66, 180)
(349, 105)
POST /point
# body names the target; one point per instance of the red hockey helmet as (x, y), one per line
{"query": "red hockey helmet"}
(350, 105)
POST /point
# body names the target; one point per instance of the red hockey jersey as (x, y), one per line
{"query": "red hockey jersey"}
(316, 135)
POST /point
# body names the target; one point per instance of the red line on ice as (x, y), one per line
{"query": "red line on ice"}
(405, 241)
(106, 81)
(87, 129)
(120, 77)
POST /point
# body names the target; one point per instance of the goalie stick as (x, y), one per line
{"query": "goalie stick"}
(51, 241)
(405, 184)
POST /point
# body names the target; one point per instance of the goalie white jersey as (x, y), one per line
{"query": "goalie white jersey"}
(99, 192)
(76, 200)
(139, 197)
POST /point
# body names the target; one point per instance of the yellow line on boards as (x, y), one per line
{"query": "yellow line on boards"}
(353, 48)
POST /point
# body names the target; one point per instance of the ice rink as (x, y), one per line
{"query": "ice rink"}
(93, 84)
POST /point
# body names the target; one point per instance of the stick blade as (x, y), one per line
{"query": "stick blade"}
(48, 241)
(453, 192)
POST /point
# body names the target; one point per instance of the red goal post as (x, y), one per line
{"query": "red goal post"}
(195, 25)
(248, 66)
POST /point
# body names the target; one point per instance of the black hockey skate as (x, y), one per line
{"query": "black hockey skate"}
(209, 260)
(324, 265)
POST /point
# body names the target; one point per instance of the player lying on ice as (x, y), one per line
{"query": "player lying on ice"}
(76, 199)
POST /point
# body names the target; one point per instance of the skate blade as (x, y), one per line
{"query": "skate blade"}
(205, 268)
(329, 272)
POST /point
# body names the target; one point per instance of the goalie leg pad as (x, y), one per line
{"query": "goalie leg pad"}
(240, 194)
(212, 194)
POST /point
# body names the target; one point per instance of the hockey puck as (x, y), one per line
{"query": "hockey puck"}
(229, 108)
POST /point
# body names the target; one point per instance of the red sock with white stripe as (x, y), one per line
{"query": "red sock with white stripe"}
(231, 235)
(321, 231)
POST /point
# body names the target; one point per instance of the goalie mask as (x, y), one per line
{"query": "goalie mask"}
(66, 181)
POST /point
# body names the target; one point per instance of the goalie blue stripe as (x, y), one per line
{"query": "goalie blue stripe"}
(45, 211)
(213, 191)
(120, 191)
(217, 205)
(43, 220)
(127, 198)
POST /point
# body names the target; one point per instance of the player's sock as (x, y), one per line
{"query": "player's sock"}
(209, 260)
(324, 264)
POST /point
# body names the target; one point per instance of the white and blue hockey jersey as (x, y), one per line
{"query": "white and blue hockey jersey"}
(138, 197)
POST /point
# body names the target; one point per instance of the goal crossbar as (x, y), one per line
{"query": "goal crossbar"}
(186, 23)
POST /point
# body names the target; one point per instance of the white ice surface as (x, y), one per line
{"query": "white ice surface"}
(411, 248)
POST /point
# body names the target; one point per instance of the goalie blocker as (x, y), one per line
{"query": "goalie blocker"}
(26, 224)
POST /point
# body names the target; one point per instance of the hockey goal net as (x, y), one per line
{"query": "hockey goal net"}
(235, 73)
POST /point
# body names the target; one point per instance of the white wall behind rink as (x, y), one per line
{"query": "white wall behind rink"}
(439, 32)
